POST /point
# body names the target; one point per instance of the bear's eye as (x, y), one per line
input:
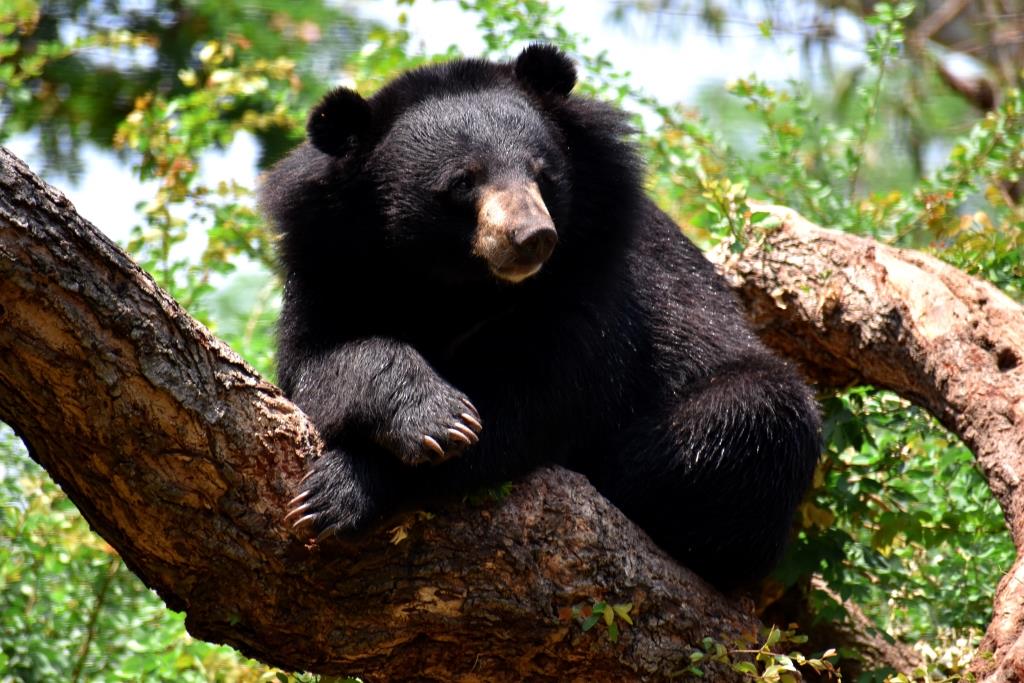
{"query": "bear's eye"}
(542, 174)
(461, 184)
(544, 178)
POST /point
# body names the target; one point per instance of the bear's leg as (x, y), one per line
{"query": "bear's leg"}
(346, 492)
(379, 407)
(383, 391)
(715, 477)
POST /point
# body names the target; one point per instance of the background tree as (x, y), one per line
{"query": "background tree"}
(975, 49)
(87, 63)
(900, 528)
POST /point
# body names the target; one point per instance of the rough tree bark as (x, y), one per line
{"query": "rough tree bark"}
(853, 311)
(183, 459)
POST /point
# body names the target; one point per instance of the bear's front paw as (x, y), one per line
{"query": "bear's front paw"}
(335, 498)
(436, 429)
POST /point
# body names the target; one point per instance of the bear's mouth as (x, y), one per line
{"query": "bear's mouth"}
(516, 273)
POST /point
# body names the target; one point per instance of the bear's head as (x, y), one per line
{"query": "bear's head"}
(467, 168)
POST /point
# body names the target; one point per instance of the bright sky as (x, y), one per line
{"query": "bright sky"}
(672, 68)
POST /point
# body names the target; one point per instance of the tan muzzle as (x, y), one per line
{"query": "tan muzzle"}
(514, 233)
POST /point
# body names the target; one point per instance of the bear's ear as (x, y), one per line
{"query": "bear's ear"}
(340, 121)
(546, 70)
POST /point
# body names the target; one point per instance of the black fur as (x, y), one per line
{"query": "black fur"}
(625, 357)
(339, 122)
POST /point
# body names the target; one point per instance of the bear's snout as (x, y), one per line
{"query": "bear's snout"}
(515, 233)
(535, 243)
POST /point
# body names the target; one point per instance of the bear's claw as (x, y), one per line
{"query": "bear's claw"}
(334, 497)
(306, 518)
(296, 511)
(460, 436)
(472, 408)
(431, 443)
(473, 422)
(467, 432)
(327, 533)
(299, 498)
(436, 444)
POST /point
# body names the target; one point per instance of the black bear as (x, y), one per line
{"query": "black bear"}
(477, 284)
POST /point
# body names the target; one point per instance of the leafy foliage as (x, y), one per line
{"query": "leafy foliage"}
(899, 520)
(72, 70)
(590, 615)
(766, 664)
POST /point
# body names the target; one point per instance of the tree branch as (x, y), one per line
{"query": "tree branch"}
(853, 311)
(183, 459)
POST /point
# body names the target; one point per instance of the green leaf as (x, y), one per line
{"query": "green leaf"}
(745, 668)
(623, 610)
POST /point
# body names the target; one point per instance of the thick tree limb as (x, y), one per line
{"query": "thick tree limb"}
(183, 459)
(853, 311)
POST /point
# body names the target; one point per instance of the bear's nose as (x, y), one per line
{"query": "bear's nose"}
(535, 243)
